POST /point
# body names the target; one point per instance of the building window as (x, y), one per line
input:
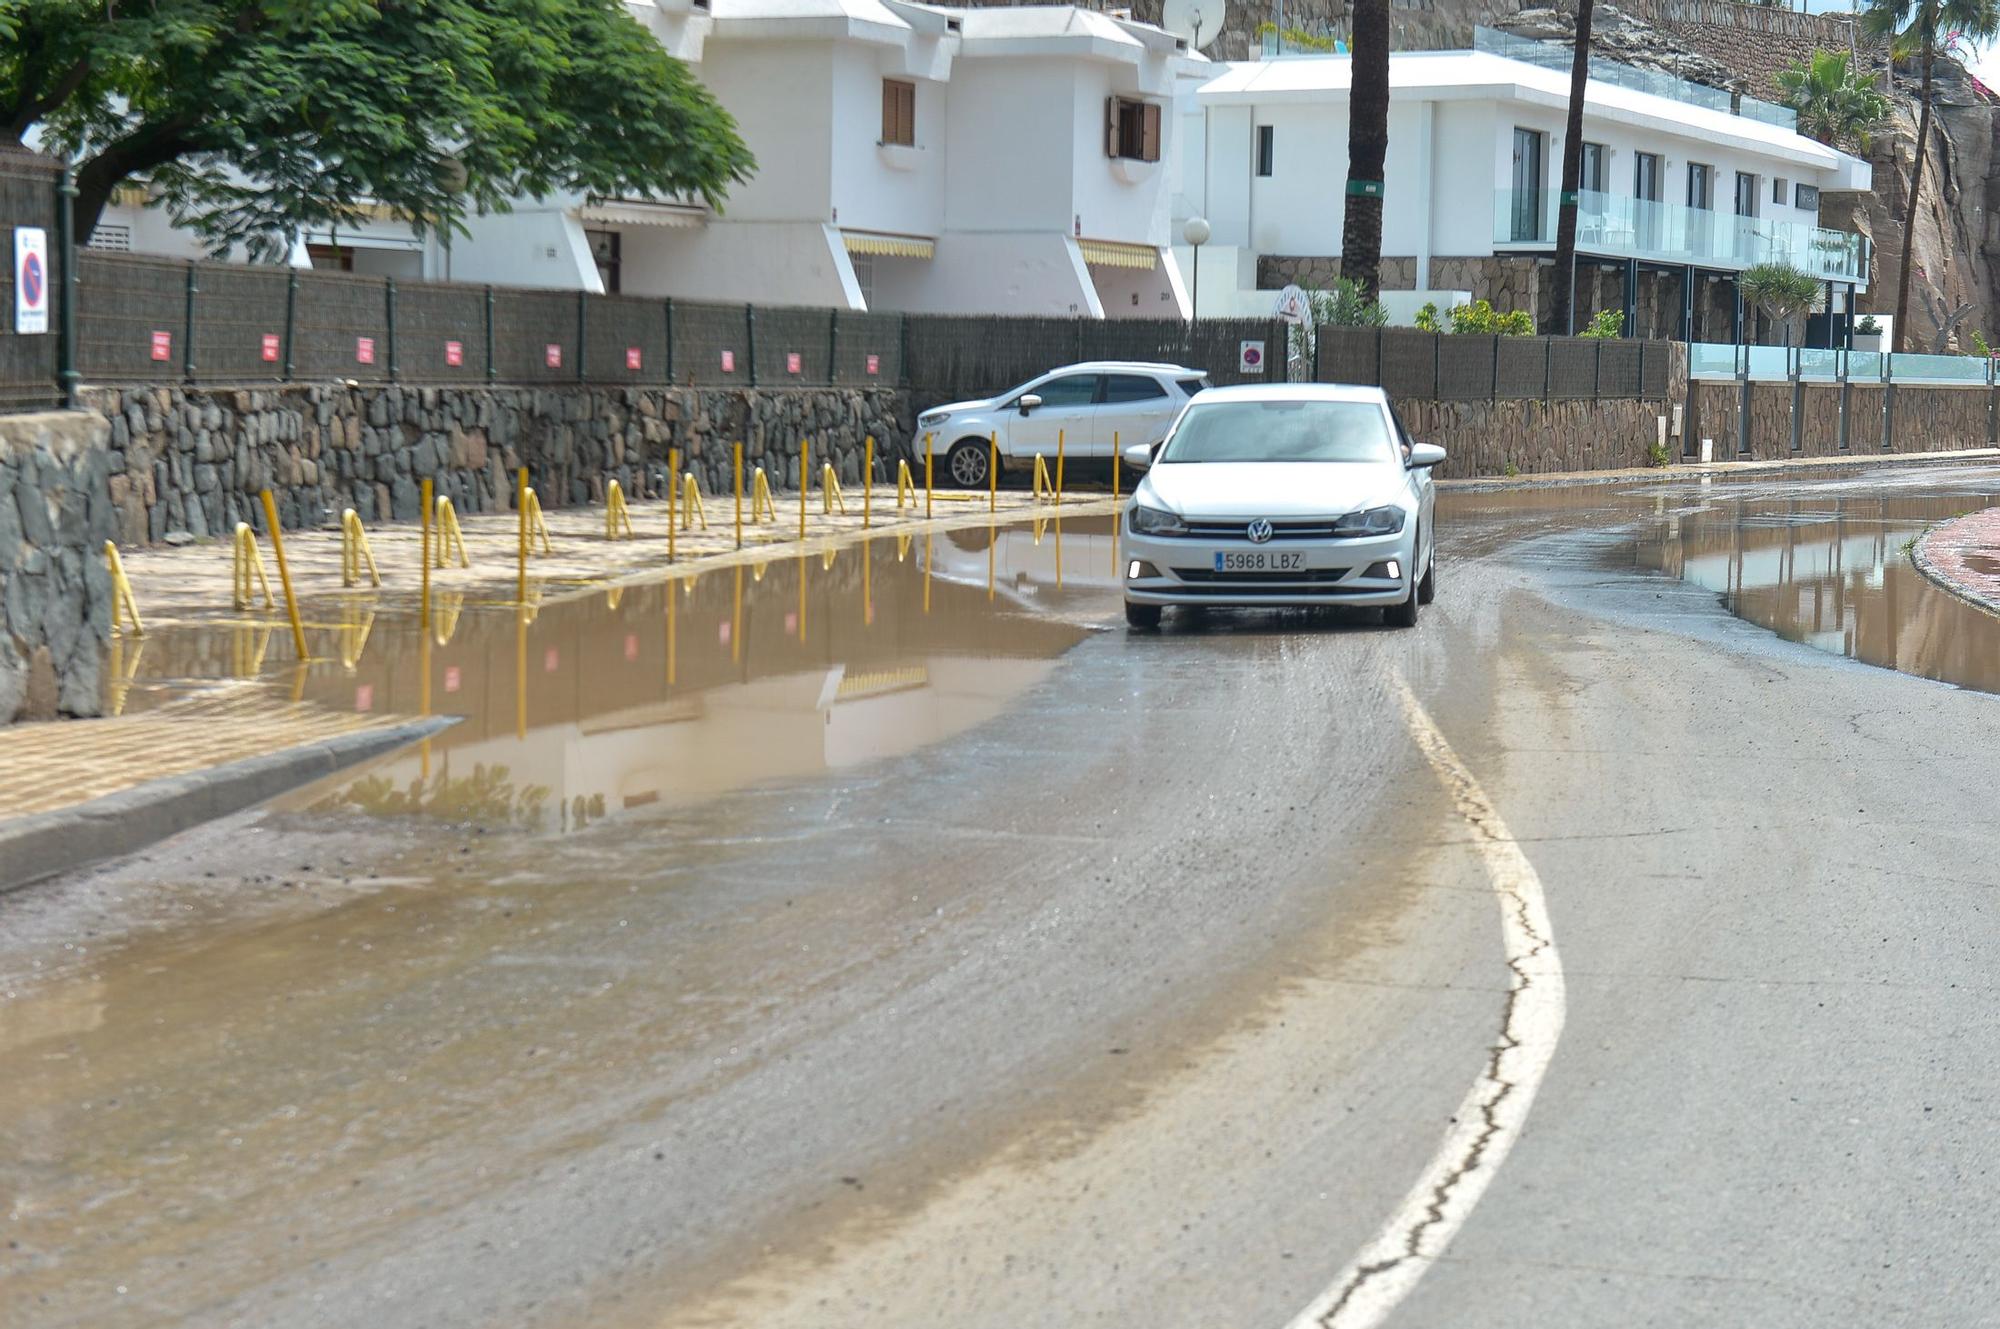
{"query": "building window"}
(1808, 199)
(1265, 148)
(1701, 186)
(604, 249)
(1525, 211)
(331, 258)
(1781, 191)
(1646, 177)
(1132, 129)
(899, 112)
(1590, 179)
(864, 277)
(1746, 194)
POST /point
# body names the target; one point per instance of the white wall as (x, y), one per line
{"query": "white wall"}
(782, 95)
(991, 273)
(1462, 146)
(1136, 293)
(538, 244)
(868, 193)
(775, 263)
(1010, 166)
(1116, 199)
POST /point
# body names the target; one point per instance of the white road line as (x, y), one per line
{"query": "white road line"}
(1490, 1119)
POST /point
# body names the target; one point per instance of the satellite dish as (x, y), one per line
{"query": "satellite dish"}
(1198, 21)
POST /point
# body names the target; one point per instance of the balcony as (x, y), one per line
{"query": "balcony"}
(1612, 226)
(1557, 56)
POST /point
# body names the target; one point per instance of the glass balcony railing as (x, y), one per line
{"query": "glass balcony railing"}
(1556, 56)
(1776, 364)
(1610, 225)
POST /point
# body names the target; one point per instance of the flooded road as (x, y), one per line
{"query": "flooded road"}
(876, 939)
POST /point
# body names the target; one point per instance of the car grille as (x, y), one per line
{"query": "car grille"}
(1302, 577)
(1280, 530)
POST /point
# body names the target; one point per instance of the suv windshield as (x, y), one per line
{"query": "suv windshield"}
(1277, 431)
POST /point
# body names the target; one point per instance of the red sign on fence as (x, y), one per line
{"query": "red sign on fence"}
(792, 362)
(552, 355)
(454, 353)
(874, 364)
(729, 362)
(163, 345)
(631, 357)
(270, 346)
(452, 678)
(364, 350)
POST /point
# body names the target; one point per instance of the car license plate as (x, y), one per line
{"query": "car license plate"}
(1260, 560)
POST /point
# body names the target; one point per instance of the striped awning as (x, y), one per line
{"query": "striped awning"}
(1118, 254)
(641, 212)
(888, 246)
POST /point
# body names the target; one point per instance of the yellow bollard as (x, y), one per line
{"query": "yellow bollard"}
(285, 575)
(692, 508)
(1114, 466)
(538, 525)
(739, 495)
(867, 481)
(354, 550)
(449, 537)
(673, 470)
(521, 542)
(1044, 490)
(906, 486)
(1059, 466)
(121, 593)
(830, 496)
(424, 559)
(993, 471)
(762, 506)
(805, 481)
(616, 514)
(927, 476)
(249, 566)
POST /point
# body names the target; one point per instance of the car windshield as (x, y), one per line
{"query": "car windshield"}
(1279, 431)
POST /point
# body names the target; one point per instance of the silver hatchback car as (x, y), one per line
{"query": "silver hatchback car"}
(1283, 494)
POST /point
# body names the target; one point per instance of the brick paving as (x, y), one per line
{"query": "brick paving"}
(1963, 555)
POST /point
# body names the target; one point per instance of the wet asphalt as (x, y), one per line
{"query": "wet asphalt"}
(895, 941)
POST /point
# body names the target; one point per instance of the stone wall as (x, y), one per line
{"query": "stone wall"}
(1317, 272)
(1502, 437)
(188, 462)
(1925, 419)
(55, 594)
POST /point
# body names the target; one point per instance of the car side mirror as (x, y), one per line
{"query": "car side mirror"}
(1029, 401)
(1139, 456)
(1423, 456)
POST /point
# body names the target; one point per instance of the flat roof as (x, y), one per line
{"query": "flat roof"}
(1480, 75)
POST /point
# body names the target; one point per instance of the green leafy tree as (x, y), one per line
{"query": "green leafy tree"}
(1783, 292)
(1916, 29)
(256, 119)
(1836, 103)
(1367, 148)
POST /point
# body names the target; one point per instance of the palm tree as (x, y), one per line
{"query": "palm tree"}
(1915, 28)
(1782, 291)
(1367, 147)
(1837, 104)
(1563, 309)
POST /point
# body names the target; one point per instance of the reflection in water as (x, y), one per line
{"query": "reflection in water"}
(648, 697)
(1834, 572)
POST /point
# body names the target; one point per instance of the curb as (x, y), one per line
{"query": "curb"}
(45, 843)
(1738, 470)
(1929, 570)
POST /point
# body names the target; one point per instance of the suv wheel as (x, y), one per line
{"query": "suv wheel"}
(967, 462)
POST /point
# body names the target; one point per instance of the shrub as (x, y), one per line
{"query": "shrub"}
(1608, 323)
(1341, 305)
(1482, 319)
(1427, 318)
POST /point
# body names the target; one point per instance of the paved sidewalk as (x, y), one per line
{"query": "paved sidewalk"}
(1853, 461)
(1963, 556)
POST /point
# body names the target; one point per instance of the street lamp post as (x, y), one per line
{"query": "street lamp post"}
(1195, 231)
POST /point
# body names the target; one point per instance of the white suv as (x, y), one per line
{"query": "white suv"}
(1095, 407)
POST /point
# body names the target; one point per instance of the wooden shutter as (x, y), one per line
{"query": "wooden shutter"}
(1111, 126)
(899, 112)
(1149, 149)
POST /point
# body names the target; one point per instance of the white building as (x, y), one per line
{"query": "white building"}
(1679, 193)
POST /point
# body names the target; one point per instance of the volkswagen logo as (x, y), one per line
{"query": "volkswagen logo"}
(1259, 531)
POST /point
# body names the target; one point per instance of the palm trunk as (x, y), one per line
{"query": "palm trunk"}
(1562, 311)
(1910, 211)
(1367, 149)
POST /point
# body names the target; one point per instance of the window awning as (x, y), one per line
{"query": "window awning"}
(888, 246)
(1118, 254)
(641, 212)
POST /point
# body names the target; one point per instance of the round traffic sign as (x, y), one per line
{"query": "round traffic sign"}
(33, 287)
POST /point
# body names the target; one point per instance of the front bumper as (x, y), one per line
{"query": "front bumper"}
(1180, 570)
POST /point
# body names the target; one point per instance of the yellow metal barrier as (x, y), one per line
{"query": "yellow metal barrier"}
(285, 575)
(738, 467)
(538, 526)
(805, 481)
(121, 592)
(616, 515)
(927, 475)
(521, 541)
(673, 469)
(1045, 490)
(762, 507)
(424, 560)
(1061, 449)
(1114, 471)
(906, 486)
(354, 551)
(692, 508)
(449, 537)
(246, 648)
(868, 482)
(993, 471)
(123, 672)
(249, 568)
(830, 496)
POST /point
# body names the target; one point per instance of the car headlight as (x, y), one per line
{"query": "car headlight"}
(1156, 521)
(1374, 521)
(932, 419)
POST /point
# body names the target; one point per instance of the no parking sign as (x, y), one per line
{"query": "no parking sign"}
(31, 279)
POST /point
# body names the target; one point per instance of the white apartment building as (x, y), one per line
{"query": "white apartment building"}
(1679, 191)
(909, 157)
